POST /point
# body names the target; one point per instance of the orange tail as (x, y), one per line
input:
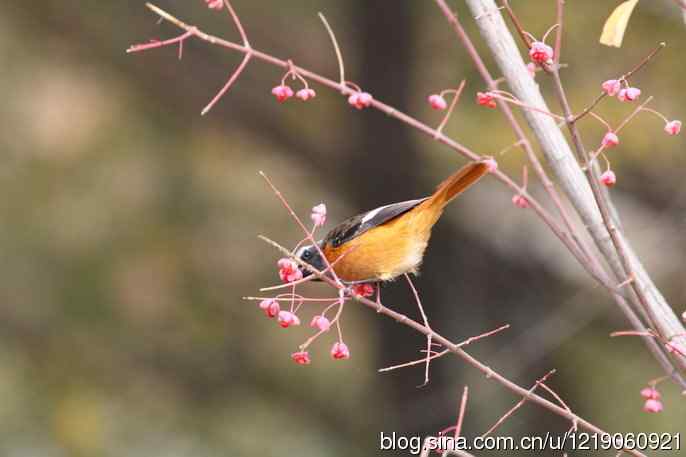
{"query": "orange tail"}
(457, 183)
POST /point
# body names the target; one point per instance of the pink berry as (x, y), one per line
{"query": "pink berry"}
(491, 164)
(306, 94)
(650, 393)
(629, 94)
(683, 316)
(485, 99)
(363, 290)
(301, 358)
(360, 100)
(612, 87)
(608, 178)
(652, 406)
(673, 127)
(531, 68)
(318, 215)
(270, 307)
(437, 102)
(340, 351)
(215, 4)
(520, 201)
(610, 140)
(288, 270)
(320, 322)
(541, 52)
(282, 93)
(287, 318)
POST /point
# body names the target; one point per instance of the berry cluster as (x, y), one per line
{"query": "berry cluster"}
(291, 275)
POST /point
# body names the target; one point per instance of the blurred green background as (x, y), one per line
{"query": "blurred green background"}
(129, 232)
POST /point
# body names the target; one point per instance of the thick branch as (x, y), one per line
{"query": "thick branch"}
(561, 159)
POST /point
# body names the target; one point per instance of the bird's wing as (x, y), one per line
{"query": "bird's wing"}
(357, 225)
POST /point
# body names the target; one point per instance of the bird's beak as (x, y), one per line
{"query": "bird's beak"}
(307, 273)
(304, 271)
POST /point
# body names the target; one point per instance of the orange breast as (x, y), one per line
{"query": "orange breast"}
(386, 251)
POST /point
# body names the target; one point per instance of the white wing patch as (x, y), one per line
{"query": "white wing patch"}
(370, 215)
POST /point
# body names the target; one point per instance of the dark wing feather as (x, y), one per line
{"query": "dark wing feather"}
(357, 225)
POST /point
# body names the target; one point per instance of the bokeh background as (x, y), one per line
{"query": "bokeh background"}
(129, 232)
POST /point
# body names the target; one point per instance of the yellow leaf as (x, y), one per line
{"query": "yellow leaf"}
(615, 26)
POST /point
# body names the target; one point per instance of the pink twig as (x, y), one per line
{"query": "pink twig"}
(456, 98)
(240, 68)
(463, 408)
(518, 405)
(561, 402)
(229, 83)
(460, 415)
(287, 297)
(436, 355)
(237, 22)
(624, 123)
(426, 324)
(558, 34)
(153, 44)
(514, 101)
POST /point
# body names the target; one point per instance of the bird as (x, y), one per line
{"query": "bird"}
(384, 243)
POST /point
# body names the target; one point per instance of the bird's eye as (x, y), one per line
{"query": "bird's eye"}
(307, 255)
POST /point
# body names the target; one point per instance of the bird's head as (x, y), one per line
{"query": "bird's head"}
(310, 255)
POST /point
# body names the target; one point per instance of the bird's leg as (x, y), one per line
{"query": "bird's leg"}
(426, 324)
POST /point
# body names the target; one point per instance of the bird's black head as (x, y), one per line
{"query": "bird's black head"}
(310, 254)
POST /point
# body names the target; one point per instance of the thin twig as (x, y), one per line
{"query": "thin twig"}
(426, 324)
(518, 405)
(238, 24)
(453, 103)
(229, 83)
(337, 49)
(461, 413)
(436, 355)
(558, 32)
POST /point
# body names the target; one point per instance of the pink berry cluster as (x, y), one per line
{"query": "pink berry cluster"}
(318, 215)
(283, 92)
(215, 4)
(363, 290)
(652, 400)
(541, 53)
(625, 93)
(290, 273)
(360, 99)
(486, 99)
(608, 178)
